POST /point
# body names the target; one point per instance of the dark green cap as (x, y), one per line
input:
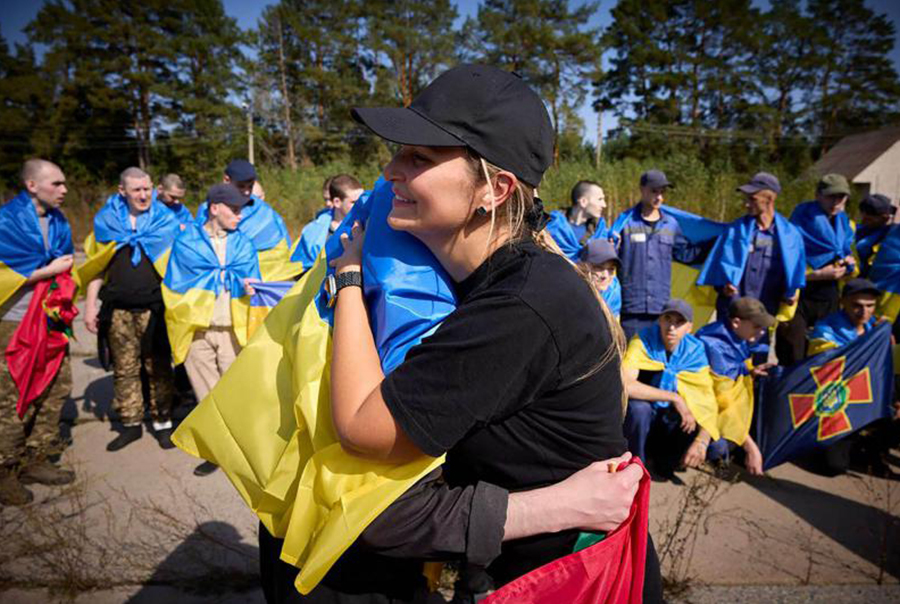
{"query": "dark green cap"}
(833, 184)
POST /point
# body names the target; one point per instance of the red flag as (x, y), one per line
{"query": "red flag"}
(609, 571)
(39, 344)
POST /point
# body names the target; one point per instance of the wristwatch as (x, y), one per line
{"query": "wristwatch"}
(334, 284)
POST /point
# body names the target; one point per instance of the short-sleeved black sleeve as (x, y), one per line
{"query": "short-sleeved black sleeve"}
(488, 359)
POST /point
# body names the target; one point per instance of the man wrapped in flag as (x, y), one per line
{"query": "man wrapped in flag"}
(727, 343)
(813, 406)
(344, 191)
(885, 274)
(760, 255)
(649, 237)
(170, 191)
(127, 255)
(828, 241)
(876, 212)
(671, 393)
(856, 317)
(36, 314)
(583, 221)
(261, 224)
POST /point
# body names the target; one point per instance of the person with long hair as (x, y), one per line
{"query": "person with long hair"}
(520, 386)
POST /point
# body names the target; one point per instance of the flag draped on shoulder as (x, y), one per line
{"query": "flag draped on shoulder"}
(824, 242)
(297, 478)
(312, 240)
(730, 366)
(825, 398)
(885, 274)
(22, 249)
(833, 331)
(153, 235)
(565, 237)
(612, 295)
(194, 278)
(182, 213)
(40, 343)
(266, 229)
(611, 571)
(727, 261)
(697, 231)
(685, 371)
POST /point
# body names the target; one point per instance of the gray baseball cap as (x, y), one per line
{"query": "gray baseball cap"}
(761, 181)
(679, 306)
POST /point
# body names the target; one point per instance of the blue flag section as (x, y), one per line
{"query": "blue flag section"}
(825, 398)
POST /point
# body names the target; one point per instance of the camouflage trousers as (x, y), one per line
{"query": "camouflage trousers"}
(125, 335)
(37, 434)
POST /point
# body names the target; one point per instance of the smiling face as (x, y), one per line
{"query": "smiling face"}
(672, 328)
(434, 191)
(137, 192)
(602, 274)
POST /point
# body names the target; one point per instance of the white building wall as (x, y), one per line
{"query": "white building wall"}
(883, 175)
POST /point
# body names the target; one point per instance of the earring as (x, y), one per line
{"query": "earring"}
(481, 212)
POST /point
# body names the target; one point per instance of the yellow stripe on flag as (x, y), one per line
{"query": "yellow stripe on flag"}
(10, 282)
(275, 263)
(702, 298)
(267, 424)
(735, 400)
(99, 256)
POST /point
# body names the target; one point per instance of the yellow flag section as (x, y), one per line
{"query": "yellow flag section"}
(735, 401)
(686, 372)
(99, 256)
(275, 263)
(10, 282)
(192, 310)
(702, 298)
(267, 424)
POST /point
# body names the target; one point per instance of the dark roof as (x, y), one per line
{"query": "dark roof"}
(853, 154)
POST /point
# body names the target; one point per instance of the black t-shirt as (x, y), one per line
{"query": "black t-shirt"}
(128, 286)
(498, 385)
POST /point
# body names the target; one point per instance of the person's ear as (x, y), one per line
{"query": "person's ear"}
(503, 187)
(31, 186)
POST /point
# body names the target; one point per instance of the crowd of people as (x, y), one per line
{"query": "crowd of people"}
(167, 294)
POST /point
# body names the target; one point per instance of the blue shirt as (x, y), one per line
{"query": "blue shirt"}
(837, 328)
(764, 274)
(727, 353)
(646, 250)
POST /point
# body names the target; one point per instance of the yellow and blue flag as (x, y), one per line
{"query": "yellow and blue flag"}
(868, 242)
(698, 231)
(834, 331)
(266, 229)
(194, 278)
(182, 213)
(885, 274)
(730, 366)
(312, 239)
(685, 371)
(22, 248)
(281, 452)
(154, 233)
(266, 296)
(728, 259)
(824, 242)
(565, 237)
(827, 397)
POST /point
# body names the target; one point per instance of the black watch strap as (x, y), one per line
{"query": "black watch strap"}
(346, 280)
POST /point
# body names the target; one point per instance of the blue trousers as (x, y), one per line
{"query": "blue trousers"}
(643, 417)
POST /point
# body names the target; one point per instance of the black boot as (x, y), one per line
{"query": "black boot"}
(127, 436)
(164, 438)
(205, 469)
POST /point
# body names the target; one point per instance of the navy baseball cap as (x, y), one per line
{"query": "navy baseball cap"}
(240, 170)
(877, 205)
(655, 179)
(679, 306)
(491, 111)
(225, 192)
(859, 286)
(761, 181)
(598, 251)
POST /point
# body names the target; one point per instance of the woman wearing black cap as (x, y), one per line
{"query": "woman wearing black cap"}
(520, 385)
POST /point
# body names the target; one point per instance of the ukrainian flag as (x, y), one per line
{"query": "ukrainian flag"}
(266, 229)
(885, 274)
(685, 371)
(194, 279)
(728, 259)
(154, 234)
(182, 213)
(22, 244)
(266, 296)
(312, 240)
(730, 367)
(697, 230)
(282, 453)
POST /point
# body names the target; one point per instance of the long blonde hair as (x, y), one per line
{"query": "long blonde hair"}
(519, 205)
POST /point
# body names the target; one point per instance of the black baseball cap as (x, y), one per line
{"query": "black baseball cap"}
(655, 179)
(225, 192)
(877, 205)
(240, 170)
(679, 306)
(598, 251)
(761, 181)
(859, 286)
(491, 111)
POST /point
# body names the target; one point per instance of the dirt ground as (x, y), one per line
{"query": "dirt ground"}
(139, 527)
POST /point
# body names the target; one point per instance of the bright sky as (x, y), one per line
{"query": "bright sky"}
(16, 14)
